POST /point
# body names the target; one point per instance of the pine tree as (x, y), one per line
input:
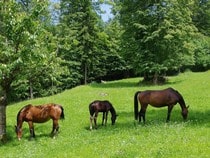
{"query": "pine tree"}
(78, 38)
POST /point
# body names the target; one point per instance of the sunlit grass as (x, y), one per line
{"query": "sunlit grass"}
(127, 138)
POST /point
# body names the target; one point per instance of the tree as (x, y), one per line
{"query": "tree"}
(25, 49)
(201, 16)
(157, 36)
(115, 64)
(78, 37)
(201, 19)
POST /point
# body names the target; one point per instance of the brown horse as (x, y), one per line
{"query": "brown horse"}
(39, 114)
(158, 98)
(101, 106)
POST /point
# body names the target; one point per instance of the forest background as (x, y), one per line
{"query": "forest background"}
(48, 47)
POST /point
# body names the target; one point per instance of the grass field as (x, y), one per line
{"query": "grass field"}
(126, 138)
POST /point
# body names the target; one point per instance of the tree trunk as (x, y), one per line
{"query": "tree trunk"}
(31, 90)
(155, 78)
(3, 119)
(85, 77)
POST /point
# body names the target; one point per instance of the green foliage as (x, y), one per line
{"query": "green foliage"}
(201, 19)
(78, 21)
(126, 138)
(28, 50)
(202, 54)
(158, 35)
(201, 16)
(86, 43)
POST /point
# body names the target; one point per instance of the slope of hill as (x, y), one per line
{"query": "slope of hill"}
(127, 138)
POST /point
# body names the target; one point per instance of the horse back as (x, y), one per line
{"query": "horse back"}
(159, 98)
(99, 106)
(55, 111)
(43, 113)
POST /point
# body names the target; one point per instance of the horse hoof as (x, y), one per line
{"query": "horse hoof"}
(31, 139)
(91, 128)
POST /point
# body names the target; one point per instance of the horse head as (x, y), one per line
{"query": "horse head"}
(113, 118)
(185, 112)
(18, 131)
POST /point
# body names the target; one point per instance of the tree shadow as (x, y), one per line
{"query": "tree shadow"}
(114, 85)
(199, 118)
(128, 84)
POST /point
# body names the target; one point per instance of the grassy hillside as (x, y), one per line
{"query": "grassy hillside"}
(125, 139)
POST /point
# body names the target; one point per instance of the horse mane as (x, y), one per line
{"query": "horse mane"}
(181, 99)
(23, 109)
(112, 109)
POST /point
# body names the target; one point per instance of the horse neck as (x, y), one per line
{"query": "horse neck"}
(19, 120)
(181, 101)
(113, 112)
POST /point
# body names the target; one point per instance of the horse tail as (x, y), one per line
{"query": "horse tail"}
(136, 105)
(62, 113)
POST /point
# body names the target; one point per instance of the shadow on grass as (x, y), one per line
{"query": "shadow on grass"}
(157, 117)
(199, 118)
(13, 141)
(114, 85)
(121, 84)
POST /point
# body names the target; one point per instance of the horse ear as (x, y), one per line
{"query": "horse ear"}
(188, 107)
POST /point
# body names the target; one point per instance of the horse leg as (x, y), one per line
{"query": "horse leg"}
(103, 118)
(142, 113)
(170, 107)
(95, 119)
(106, 117)
(55, 128)
(31, 128)
(139, 114)
(91, 122)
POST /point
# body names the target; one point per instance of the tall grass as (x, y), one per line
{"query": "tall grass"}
(126, 138)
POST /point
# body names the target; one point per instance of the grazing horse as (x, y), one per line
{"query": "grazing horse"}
(101, 106)
(39, 114)
(158, 98)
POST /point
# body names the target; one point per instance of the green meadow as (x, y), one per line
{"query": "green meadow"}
(126, 138)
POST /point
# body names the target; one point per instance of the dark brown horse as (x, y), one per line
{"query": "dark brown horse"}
(39, 114)
(158, 98)
(101, 106)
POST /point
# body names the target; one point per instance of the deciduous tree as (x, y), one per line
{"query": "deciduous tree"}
(26, 51)
(158, 35)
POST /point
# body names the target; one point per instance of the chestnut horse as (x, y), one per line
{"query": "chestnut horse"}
(39, 114)
(158, 98)
(101, 106)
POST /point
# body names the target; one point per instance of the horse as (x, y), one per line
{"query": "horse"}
(101, 106)
(39, 114)
(158, 98)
